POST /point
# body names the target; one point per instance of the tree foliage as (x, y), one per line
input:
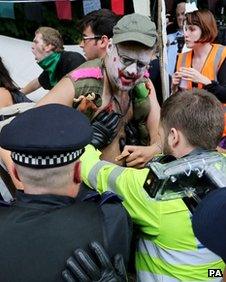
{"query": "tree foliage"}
(24, 28)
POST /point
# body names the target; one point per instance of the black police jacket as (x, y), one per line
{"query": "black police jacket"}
(39, 232)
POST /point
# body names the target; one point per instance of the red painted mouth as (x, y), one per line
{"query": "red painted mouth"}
(127, 80)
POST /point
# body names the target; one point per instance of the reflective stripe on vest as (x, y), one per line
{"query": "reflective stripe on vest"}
(194, 257)
(210, 69)
(92, 177)
(211, 66)
(153, 263)
(93, 173)
(145, 276)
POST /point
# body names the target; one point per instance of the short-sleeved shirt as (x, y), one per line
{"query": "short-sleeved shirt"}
(68, 61)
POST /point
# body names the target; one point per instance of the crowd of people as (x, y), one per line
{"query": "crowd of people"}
(110, 184)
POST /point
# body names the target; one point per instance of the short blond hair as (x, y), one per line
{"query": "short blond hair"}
(51, 36)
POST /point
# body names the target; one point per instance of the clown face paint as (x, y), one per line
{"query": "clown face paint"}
(126, 65)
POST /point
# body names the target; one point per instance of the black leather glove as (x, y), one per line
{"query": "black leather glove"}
(104, 129)
(131, 137)
(82, 267)
(131, 134)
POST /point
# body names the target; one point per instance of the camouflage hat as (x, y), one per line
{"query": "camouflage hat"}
(135, 27)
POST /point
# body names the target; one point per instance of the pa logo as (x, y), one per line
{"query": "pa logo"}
(215, 273)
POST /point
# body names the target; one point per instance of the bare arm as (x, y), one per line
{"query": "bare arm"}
(5, 156)
(154, 114)
(31, 86)
(5, 97)
(62, 93)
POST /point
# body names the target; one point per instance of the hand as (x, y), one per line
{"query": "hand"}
(194, 76)
(168, 22)
(104, 129)
(82, 267)
(138, 156)
(176, 78)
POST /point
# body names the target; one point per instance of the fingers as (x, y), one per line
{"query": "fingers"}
(132, 155)
(140, 155)
(88, 264)
(102, 116)
(123, 155)
(176, 77)
(101, 255)
(120, 266)
(67, 276)
(76, 269)
(148, 85)
(135, 162)
(113, 121)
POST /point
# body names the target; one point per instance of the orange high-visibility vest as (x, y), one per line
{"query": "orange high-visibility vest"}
(210, 69)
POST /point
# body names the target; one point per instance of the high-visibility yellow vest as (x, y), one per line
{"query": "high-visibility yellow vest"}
(167, 250)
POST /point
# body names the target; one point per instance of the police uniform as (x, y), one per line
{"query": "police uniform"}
(167, 250)
(39, 232)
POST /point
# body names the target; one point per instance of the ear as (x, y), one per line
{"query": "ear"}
(104, 41)
(15, 173)
(77, 172)
(110, 46)
(173, 138)
(49, 48)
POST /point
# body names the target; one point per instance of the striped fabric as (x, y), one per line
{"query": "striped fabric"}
(167, 250)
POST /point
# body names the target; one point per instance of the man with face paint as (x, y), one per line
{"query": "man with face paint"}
(191, 123)
(108, 85)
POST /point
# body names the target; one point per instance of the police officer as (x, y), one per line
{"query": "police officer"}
(209, 222)
(54, 214)
(191, 124)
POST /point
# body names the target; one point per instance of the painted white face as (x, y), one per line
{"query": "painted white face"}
(192, 34)
(126, 65)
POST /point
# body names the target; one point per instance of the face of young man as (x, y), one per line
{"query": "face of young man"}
(127, 64)
(90, 44)
(39, 48)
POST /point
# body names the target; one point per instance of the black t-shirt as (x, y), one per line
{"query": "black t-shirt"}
(68, 61)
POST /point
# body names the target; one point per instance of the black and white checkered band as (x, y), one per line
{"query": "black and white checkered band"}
(46, 161)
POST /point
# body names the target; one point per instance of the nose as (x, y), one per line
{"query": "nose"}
(132, 69)
(185, 33)
(81, 44)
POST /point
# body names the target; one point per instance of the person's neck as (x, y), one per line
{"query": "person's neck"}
(70, 191)
(202, 49)
(181, 152)
(45, 56)
(109, 85)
